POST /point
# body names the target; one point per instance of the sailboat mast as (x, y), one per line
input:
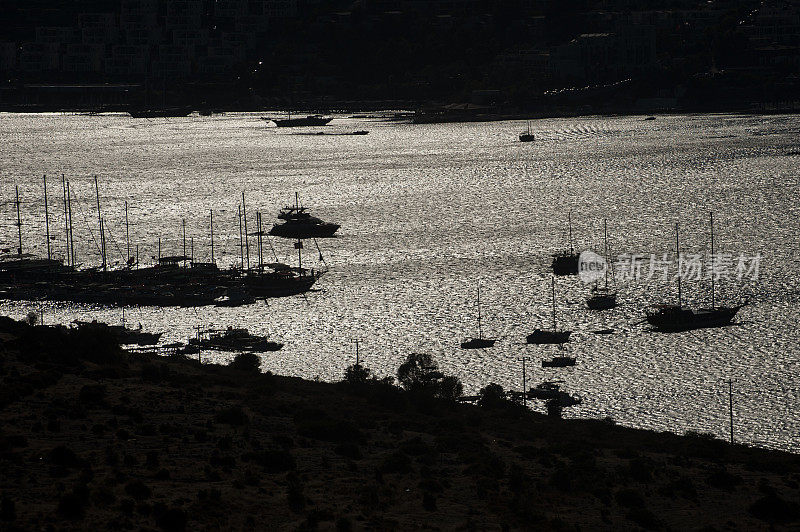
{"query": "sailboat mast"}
(554, 303)
(713, 265)
(212, 237)
(605, 248)
(19, 223)
(569, 218)
(66, 217)
(480, 330)
(246, 239)
(241, 240)
(678, 252)
(260, 242)
(46, 217)
(127, 236)
(100, 221)
(299, 246)
(71, 236)
(183, 223)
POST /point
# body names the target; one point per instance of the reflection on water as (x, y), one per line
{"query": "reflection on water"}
(428, 212)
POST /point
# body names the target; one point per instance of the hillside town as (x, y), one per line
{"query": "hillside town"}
(247, 54)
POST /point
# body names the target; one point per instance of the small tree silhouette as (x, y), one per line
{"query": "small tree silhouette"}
(356, 374)
(420, 374)
(248, 362)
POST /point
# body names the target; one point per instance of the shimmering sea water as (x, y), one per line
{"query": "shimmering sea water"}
(429, 212)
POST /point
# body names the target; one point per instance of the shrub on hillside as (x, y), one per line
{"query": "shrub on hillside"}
(420, 374)
(247, 362)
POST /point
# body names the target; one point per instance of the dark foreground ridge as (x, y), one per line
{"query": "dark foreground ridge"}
(92, 437)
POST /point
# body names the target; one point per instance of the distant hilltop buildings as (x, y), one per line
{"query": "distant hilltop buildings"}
(396, 49)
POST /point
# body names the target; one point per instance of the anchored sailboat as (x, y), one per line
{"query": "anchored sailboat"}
(603, 298)
(480, 342)
(527, 136)
(566, 262)
(553, 336)
(675, 318)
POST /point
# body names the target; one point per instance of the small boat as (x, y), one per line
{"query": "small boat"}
(123, 334)
(161, 112)
(310, 120)
(480, 342)
(561, 361)
(566, 262)
(545, 390)
(527, 136)
(649, 118)
(552, 336)
(603, 298)
(298, 223)
(233, 339)
(676, 318)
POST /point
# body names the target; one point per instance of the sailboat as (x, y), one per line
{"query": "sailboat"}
(675, 318)
(566, 262)
(603, 298)
(545, 336)
(480, 342)
(527, 136)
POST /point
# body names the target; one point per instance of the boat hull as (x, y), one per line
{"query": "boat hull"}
(675, 319)
(301, 122)
(302, 230)
(478, 343)
(602, 301)
(540, 336)
(566, 264)
(172, 112)
(558, 362)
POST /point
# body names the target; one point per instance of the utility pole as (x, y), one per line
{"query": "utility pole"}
(212, 237)
(100, 221)
(357, 359)
(183, 222)
(19, 223)
(730, 402)
(46, 217)
(66, 217)
(524, 381)
(241, 238)
(71, 236)
(127, 236)
(246, 239)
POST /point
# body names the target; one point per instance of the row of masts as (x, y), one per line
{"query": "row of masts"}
(70, 260)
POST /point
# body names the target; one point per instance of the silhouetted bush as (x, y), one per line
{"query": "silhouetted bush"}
(93, 394)
(396, 462)
(724, 480)
(643, 517)
(429, 502)
(419, 374)
(774, 509)
(8, 510)
(356, 375)
(492, 396)
(629, 498)
(172, 520)
(248, 362)
(294, 494)
(65, 457)
(138, 490)
(327, 429)
(233, 415)
(273, 461)
(348, 450)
